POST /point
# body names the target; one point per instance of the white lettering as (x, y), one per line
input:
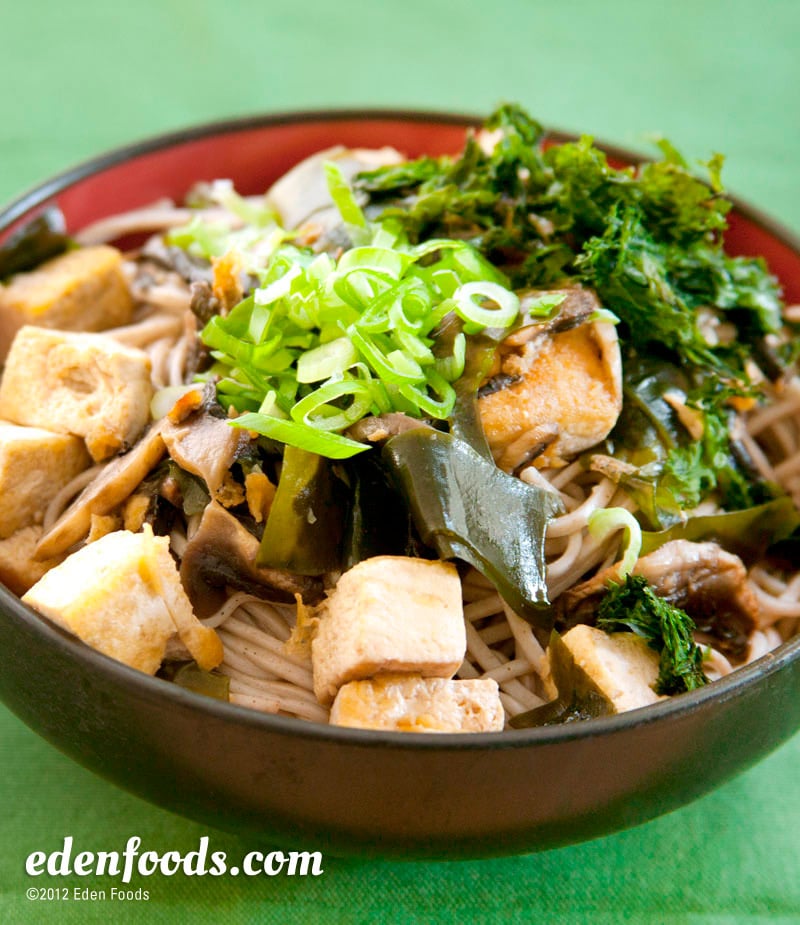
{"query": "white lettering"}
(83, 863)
(107, 861)
(170, 863)
(269, 863)
(58, 862)
(305, 858)
(129, 895)
(34, 863)
(218, 859)
(199, 857)
(148, 863)
(196, 863)
(130, 852)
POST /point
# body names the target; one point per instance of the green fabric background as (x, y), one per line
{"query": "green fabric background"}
(722, 75)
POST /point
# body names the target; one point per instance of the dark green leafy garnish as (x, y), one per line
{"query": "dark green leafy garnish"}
(668, 469)
(634, 606)
(649, 241)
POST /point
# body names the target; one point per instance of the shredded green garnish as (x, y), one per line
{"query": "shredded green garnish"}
(668, 630)
(258, 237)
(648, 240)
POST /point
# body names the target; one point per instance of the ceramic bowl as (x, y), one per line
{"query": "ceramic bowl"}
(347, 791)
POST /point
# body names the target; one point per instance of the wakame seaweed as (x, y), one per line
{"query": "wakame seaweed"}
(39, 240)
(304, 529)
(464, 507)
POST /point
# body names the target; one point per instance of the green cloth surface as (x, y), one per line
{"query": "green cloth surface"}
(712, 75)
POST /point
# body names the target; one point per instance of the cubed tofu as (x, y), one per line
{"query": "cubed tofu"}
(622, 667)
(122, 595)
(83, 384)
(19, 570)
(82, 290)
(389, 614)
(568, 385)
(35, 465)
(410, 703)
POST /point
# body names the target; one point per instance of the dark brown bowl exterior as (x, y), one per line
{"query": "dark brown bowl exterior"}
(342, 791)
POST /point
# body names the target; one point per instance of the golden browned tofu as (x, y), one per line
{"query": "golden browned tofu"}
(82, 290)
(566, 387)
(123, 596)
(35, 465)
(621, 666)
(84, 384)
(389, 614)
(410, 703)
(19, 570)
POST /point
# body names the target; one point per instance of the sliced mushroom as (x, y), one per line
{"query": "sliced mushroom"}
(222, 553)
(203, 444)
(703, 579)
(117, 482)
(377, 428)
(301, 195)
(204, 303)
(176, 260)
(569, 379)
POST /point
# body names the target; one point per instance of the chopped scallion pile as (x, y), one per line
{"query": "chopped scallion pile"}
(323, 342)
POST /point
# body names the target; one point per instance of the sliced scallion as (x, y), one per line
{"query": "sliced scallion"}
(322, 442)
(469, 310)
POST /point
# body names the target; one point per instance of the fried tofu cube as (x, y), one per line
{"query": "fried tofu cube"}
(82, 290)
(560, 393)
(410, 703)
(83, 384)
(35, 465)
(122, 595)
(621, 667)
(389, 614)
(19, 570)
